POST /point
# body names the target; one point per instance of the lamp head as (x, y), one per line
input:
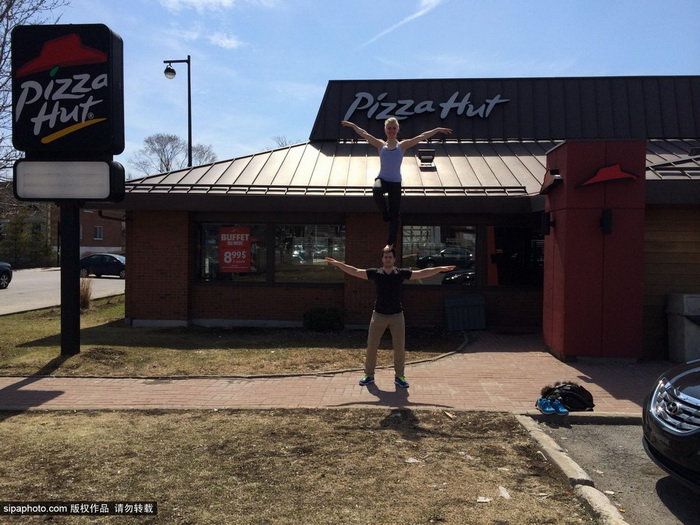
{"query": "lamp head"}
(169, 72)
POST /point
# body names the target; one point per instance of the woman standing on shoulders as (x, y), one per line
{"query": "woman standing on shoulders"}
(388, 182)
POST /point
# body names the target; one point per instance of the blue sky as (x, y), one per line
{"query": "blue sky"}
(260, 67)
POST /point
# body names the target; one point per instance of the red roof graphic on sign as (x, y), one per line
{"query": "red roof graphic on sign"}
(608, 174)
(67, 50)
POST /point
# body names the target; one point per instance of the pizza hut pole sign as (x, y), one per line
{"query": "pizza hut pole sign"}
(68, 108)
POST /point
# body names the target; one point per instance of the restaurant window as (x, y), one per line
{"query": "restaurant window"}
(430, 246)
(232, 252)
(516, 257)
(486, 255)
(301, 249)
(245, 252)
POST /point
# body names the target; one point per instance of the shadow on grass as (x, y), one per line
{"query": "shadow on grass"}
(195, 338)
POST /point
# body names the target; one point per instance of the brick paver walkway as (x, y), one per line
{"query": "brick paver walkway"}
(495, 372)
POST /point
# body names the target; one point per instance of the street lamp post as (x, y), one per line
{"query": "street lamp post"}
(170, 73)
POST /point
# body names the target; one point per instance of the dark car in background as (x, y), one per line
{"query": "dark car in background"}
(458, 256)
(671, 423)
(100, 264)
(5, 275)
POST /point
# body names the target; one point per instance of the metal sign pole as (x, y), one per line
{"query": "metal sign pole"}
(70, 277)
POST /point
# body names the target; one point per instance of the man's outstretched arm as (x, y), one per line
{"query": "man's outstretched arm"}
(429, 272)
(360, 273)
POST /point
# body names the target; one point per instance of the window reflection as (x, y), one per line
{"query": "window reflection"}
(301, 249)
(430, 246)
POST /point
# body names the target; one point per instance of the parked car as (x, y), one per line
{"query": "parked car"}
(464, 277)
(5, 275)
(452, 255)
(671, 423)
(100, 264)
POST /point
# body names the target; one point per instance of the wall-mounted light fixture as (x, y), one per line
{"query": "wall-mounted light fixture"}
(551, 177)
(606, 221)
(546, 223)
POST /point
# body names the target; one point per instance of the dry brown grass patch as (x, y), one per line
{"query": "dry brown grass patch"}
(289, 466)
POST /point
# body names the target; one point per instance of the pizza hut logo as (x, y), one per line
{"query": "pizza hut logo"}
(61, 106)
(64, 85)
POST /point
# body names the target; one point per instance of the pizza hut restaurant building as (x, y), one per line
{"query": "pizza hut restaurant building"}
(569, 205)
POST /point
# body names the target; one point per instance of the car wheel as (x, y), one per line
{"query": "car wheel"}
(83, 272)
(4, 281)
(430, 263)
(122, 274)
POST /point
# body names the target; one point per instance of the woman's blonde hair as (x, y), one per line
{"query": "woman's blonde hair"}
(391, 120)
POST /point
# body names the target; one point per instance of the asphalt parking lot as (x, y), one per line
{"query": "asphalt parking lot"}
(41, 288)
(614, 458)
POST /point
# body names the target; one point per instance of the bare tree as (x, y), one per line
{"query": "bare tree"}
(14, 13)
(164, 152)
(203, 154)
(282, 142)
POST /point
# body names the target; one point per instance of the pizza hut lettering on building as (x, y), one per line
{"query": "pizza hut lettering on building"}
(381, 109)
(67, 91)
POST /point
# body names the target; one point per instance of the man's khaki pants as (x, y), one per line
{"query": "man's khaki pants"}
(377, 327)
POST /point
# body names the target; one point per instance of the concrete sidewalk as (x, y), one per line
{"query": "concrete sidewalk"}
(496, 371)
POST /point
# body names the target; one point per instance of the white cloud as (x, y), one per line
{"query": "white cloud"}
(209, 5)
(226, 41)
(200, 5)
(424, 7)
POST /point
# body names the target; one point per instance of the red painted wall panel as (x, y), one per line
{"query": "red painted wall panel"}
(593, 289)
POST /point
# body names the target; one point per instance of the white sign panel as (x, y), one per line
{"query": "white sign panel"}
(49, 180)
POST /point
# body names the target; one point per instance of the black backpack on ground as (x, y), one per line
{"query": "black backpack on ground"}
(574, 397)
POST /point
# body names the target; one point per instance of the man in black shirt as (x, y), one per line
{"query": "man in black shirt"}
(388, 310)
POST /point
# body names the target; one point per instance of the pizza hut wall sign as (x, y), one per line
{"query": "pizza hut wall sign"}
(67, 91)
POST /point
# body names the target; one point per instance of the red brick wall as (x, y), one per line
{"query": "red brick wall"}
(365, 237)
(113, 232)
(261, 303)
(504, 306)
(160, 251)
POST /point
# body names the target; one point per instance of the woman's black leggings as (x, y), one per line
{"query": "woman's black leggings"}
(389, 210)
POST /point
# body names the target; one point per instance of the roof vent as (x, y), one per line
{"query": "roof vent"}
(426, 158)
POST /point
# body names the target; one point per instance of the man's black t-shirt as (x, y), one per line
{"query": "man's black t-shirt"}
(388, 289)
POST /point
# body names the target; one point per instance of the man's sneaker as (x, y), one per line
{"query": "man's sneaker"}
(366, 380)
(544, 406)
(559, 407)
(401, 381)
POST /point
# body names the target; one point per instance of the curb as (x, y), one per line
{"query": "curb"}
(588, 418)
(579, 480)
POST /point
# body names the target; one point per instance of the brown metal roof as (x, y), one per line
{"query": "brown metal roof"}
(350, 167)
(346, 170)
(667, 160)
(673, 172)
